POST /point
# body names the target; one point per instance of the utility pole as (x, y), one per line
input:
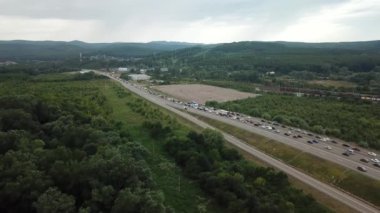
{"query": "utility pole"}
(179, 182)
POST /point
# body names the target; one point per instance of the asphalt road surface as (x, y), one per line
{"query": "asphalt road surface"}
(338, 194)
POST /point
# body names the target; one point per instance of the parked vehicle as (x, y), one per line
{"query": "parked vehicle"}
(346, 145)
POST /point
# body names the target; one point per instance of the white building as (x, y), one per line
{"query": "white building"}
(139, 77)
(122, 69)
(164, 69)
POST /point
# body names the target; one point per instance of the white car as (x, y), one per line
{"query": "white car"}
(328, 147)
(372, 154)
(375, 160)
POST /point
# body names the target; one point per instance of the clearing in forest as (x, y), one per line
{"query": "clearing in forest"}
(202, 93)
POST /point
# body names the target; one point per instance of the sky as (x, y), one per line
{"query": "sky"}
(200, 21)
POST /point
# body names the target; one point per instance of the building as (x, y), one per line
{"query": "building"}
(122, 69)
(164, 69)
(139, 77)
(142, 71)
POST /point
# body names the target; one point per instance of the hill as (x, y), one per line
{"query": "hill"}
(60, 50)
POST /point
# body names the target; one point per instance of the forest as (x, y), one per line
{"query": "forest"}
(350, 120)
(61, 150)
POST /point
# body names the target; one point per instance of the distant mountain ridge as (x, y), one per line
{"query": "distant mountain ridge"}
(60, 50)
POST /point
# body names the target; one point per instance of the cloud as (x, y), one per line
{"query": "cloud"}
(208, 21)
(347, 21)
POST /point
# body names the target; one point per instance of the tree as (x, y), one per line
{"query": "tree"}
(54, 201)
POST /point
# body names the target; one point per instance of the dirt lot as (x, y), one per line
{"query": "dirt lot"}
(202, 93)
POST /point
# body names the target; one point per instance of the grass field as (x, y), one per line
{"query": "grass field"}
(353, 182)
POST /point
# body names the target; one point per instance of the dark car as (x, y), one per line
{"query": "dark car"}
(333, 141)
(283, 126)
(287, 134)
(315, 141)
(309, 134)
(295, 136)
(377, 164)
(346, 145)
(356, 149)
(365, 160)
(256, 124)
(299, 136)
(362, 168)
(262, 120)
(310, 142)
(345, 154)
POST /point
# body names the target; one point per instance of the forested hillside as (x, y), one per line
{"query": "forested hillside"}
(58, 50)
(77, 143)
(276, 63)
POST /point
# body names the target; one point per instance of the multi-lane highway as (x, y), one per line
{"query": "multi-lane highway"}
(319, 149)
(349, 200)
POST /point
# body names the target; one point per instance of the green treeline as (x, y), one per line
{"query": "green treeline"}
(352, 121)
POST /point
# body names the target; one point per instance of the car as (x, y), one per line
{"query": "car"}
(283, 126)
(287, 134)
(362, 168)
(309, 134)
(299, 136)
(356, 149)
(318, 137)
(372, 154)
(375, 160)
(365, 160)
(277, 131)
(345, 154)
(315, 141)
(333, 141)
(346, 145)
(257, 124)
(295, 136)
(310, 142)
(328, 147)
(350, 151)
(262, 120)
(377, 164)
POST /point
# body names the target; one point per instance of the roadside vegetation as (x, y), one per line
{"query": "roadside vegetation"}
(79, 143)
(353, 121)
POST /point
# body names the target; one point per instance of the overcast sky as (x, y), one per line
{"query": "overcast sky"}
(205, 21)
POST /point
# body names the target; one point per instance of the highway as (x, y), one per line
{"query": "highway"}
(333, 155)
(347, 199)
